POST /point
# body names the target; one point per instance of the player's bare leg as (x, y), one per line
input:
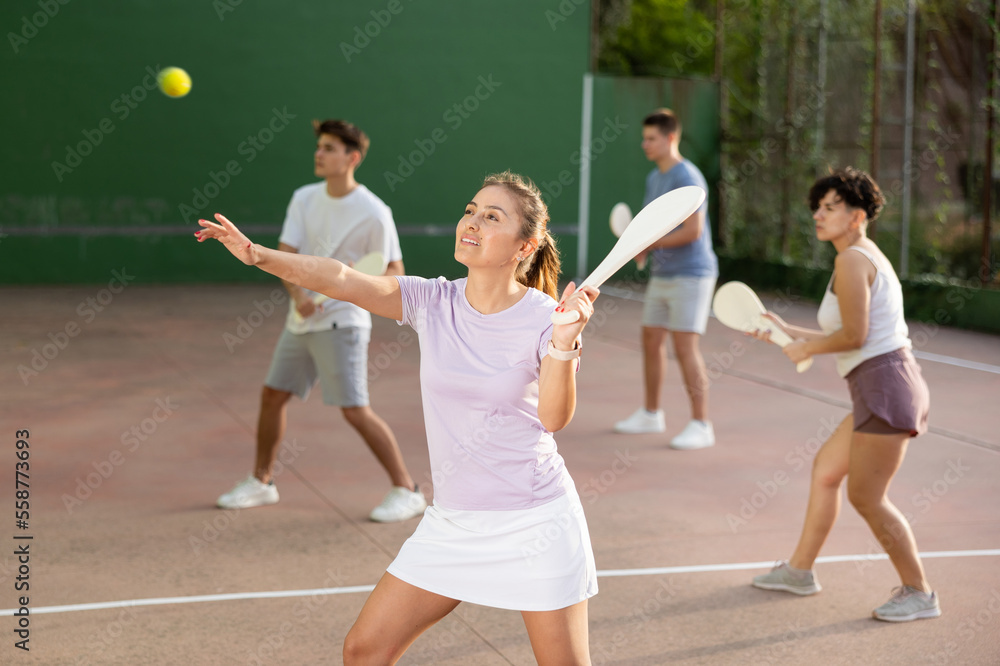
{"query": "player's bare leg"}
(270, 430)
(654, 359)
(382, 442)
(559, 637)
(686, 347)
(829, 468)
(874, 462)
(395, 614)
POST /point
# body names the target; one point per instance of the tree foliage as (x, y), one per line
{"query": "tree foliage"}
(656, 38)
(798, 82)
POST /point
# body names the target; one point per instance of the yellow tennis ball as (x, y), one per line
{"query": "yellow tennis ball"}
(174, 82)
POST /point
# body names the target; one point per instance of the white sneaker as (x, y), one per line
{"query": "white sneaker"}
(247, 494)
(696, 435)
(642, 421)
(399, 504)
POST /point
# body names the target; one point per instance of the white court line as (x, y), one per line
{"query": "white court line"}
(961, 363)
(742, 566)
(281, 594)
(159, 601)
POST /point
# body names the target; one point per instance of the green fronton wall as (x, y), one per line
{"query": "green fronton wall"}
(100, 172)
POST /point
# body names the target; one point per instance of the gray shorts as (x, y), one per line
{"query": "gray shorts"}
(678, 303)
(338, 358)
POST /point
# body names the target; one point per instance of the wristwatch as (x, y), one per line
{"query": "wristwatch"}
(560, 355)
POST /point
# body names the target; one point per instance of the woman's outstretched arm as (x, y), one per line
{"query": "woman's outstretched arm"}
(379, 295)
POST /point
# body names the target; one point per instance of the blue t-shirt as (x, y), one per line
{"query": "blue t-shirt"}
(696, 259)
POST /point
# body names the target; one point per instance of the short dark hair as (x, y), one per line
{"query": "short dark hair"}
(351, 135)
(664, 120)
(854, 187)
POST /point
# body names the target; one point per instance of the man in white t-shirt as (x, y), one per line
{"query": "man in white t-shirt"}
(328, 339)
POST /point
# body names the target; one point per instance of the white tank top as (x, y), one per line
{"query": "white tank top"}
(887, 330)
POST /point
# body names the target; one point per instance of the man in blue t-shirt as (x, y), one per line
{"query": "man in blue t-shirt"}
(683, 271)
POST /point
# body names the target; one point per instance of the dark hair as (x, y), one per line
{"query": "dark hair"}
(854, 187)
(664, 120)
(540, 269)
(351, 136)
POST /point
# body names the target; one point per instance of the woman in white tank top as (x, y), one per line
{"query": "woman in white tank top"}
(861, 318)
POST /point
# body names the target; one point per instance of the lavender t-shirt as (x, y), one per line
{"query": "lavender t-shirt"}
(479, 379)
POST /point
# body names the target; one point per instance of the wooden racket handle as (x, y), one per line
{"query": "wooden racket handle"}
(565, 317)
(780, 338)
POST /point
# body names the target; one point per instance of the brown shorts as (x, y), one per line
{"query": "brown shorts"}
(889, 395)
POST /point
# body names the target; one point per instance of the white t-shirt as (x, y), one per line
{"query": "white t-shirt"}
(887, 330)
(346, 229)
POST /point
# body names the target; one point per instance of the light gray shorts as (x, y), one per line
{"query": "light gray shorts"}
(338, 358)
(678, 303)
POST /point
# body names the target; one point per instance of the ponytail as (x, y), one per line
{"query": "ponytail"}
(542, 270)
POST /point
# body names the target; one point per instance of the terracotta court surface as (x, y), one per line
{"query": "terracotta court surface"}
(141, 408)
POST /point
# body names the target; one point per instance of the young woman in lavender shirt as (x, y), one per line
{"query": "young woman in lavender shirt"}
(506, 528)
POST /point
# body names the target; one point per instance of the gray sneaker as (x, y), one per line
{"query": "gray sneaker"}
(908, 603)
(784, 578)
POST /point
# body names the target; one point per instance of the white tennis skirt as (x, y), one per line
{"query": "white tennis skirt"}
(537, 559)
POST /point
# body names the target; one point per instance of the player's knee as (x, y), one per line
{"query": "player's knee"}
(825, 476)
(365, 649)
(355, 416)
(863, 500)
(356, 649)
(271, 398)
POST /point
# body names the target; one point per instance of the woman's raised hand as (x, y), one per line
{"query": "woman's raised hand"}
(582, 302)
(226, 233)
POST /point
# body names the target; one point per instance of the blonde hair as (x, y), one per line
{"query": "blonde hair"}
(540, 269)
